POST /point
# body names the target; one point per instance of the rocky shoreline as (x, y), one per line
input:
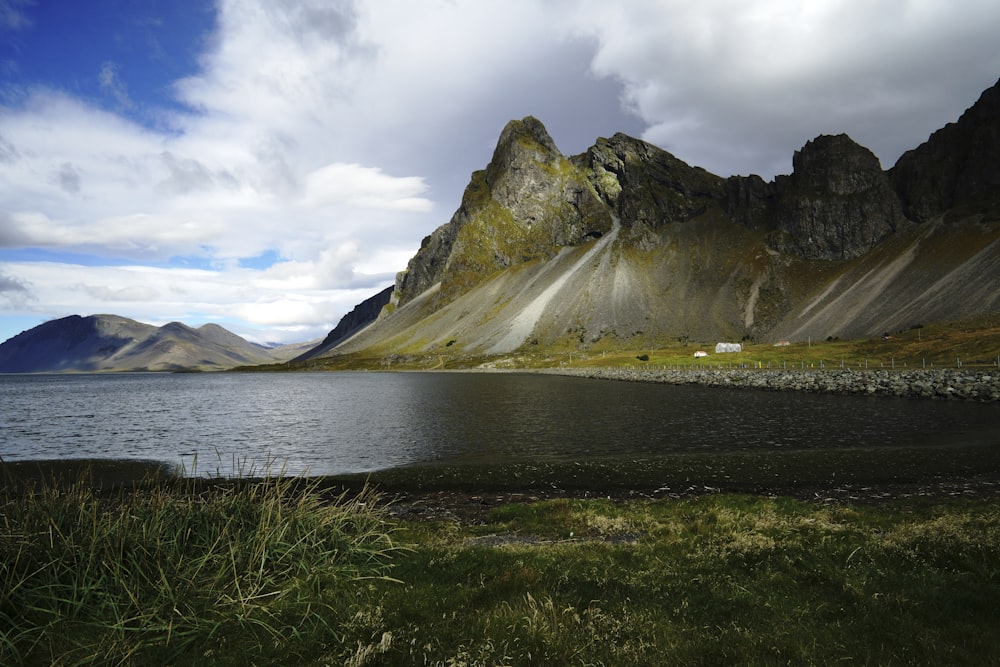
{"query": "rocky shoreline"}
(943, 384)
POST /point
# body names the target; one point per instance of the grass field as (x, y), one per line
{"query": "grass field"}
(969, 343)
(286, 571)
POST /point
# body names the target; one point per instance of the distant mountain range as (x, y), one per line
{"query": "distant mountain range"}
(626, 244)
(112, 343)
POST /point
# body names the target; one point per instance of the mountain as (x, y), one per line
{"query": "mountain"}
(360, 316)
(957, 166)
(626, 244)
(112, 343)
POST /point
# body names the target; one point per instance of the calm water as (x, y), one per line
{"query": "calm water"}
(328, 423)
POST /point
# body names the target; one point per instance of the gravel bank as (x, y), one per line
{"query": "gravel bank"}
(954, 384)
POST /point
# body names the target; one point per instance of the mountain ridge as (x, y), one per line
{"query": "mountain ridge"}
(839, 247)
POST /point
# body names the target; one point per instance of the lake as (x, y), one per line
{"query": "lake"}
(331, 423)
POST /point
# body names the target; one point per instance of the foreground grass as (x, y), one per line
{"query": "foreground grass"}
(182, 572)
(707, 581)
(274, 573)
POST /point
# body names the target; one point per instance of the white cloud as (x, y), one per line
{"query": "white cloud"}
(737, 87)
(364, 187)
(128, 235)
(277, 64)
(284, 311)
(124, 294)
(77, 178)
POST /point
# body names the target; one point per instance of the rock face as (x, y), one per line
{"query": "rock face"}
(112, 343)
(959, 164)
(750, 201)
(838, 203)
(626, 242)
(526, 204)
(646, 186)
(531, 200)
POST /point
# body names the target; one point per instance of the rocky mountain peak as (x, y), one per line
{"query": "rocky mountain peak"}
(528, 134)
(958, 164)
(360, 316)
(520, 176)
(526, 204)
(835, 164)
(647, 186)
(837, 203)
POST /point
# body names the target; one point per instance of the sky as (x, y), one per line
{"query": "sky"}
(268, 164)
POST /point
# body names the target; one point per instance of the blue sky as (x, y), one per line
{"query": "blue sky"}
(91, 54)
(269, 164)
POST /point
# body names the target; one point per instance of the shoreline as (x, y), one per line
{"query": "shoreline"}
(939, 384)
(469, 493)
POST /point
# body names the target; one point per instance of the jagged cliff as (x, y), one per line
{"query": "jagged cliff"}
(628, 243)
(959, 165)
(527, 203)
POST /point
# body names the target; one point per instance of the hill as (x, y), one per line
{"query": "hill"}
(113, 343)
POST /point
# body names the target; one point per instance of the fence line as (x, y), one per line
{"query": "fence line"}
(822, 364)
